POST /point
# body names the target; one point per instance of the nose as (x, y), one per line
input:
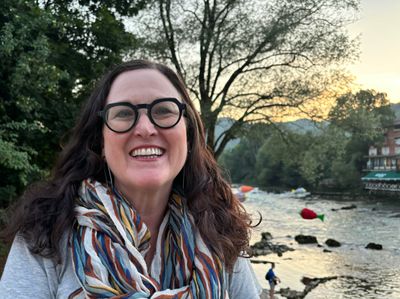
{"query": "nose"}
(144, 127)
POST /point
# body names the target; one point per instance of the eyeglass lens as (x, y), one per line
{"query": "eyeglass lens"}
(164, 114)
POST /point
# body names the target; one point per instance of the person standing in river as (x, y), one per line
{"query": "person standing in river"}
(136, 207)
(273, 280)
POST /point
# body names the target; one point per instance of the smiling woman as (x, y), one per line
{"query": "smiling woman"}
(136, 206)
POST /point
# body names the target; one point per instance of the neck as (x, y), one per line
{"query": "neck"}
(150, 204)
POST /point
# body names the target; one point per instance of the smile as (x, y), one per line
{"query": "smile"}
(146, 152)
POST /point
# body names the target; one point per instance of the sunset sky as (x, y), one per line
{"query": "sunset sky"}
(379, 64)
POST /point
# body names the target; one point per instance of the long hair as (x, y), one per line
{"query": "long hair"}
(45, 211)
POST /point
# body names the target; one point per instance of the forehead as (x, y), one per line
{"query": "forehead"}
(141, 86)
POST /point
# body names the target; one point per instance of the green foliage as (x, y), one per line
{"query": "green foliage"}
(267, 157)
(241, 160)
(330, 158)
(51, 54)
(364, 114)
(278, 160)
(327, 147)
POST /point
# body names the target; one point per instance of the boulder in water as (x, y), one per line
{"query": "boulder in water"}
(374, 246)
(265, 246)
(305, 239)
(332, 243)
(266, 236)
(349, 207)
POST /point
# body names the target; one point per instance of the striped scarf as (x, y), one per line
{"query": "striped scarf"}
(109, 242)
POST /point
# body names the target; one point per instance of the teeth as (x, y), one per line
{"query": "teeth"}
(150, 151)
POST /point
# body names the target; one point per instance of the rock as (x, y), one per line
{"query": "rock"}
(266, 236)
(304, 239)
(332, 243)
(260, 261)
(353, 206)
(327, 250)
(291, 294)
(349, 207)
(374, 246)
(265, 246)
(279, 252)
(310, 284)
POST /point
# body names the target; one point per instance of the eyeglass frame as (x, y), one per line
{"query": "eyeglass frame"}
(137, 107)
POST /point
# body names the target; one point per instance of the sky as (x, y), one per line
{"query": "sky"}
(379, 64)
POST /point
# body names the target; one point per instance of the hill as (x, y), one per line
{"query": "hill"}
(396, 108)
(299, 126)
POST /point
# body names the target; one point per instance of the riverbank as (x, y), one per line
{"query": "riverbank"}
(355, 195)
(351, 270)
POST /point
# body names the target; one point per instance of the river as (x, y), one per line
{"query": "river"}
(376, 273)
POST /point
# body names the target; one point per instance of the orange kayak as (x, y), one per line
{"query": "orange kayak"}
(245, 188)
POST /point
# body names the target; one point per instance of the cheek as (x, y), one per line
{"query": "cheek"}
(178, 142)
(112, 143)
(184, 137)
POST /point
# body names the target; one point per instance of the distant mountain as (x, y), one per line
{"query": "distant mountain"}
(396, 108)
(224, 124)
(304, 125)
(298, 126)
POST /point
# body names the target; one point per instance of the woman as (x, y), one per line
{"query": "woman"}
(136, 207)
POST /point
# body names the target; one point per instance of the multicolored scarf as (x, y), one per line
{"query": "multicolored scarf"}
(110, 241)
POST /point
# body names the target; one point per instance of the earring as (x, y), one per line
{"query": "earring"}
(108, 175)
(183, 178)
(111, 179)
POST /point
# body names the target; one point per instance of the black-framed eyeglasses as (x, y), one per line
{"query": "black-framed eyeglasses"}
(122, 116)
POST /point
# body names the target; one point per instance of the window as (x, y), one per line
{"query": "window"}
(372, 151)
(385, 150)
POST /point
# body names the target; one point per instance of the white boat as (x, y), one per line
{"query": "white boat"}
(299, 192)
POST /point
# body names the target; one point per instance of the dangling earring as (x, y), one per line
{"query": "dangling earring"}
(111, 179)
(183, 178)
(109, 183)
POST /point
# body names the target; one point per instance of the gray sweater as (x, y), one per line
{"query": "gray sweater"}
(27, 275)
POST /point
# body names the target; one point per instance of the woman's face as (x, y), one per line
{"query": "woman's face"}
(146, 157)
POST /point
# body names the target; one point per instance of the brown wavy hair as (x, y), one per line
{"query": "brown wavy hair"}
(45, 211)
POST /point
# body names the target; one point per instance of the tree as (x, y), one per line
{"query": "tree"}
(51, 53)
(240, 161)
(328, 147)
(355, 122)
(249, 61)
(365, 113)
(279, 159)
(364, 116)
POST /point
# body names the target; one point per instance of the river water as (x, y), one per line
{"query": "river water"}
(376, 273)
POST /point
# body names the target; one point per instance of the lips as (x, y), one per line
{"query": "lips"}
(146, 152)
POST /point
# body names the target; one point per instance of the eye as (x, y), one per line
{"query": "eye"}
(120, 113)
(124, 113)
(165, 109)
